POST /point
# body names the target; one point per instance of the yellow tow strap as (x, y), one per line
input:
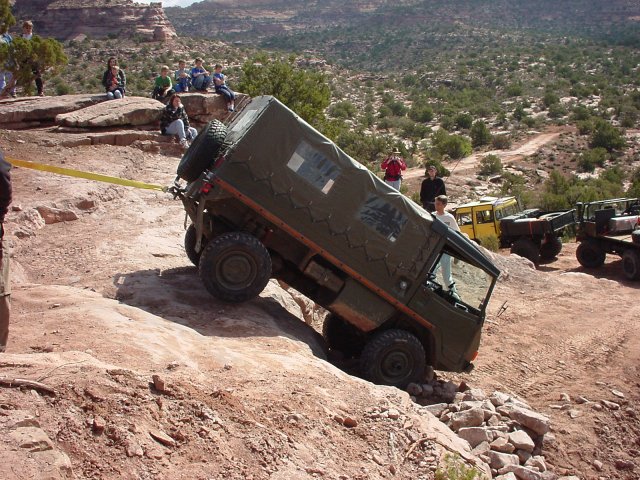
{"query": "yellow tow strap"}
(80, 174)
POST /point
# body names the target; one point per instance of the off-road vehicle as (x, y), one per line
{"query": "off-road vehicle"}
(531, 233)
(610, 226)
(269, 196)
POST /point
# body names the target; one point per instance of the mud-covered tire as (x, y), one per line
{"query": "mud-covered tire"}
(341, 336)
(590, 255)
(203, 151)
(631, 264)
(190, 245)
(393, 357)
(235, 267)
(525, 247)
(551, 249)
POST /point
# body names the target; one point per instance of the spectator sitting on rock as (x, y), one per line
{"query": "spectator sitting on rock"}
(182, 77)
(175, 121)
(162, 88)
(222, 88)
(114, 80)
(200, 78)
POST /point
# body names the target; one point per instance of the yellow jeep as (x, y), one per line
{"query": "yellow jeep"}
(481, 219)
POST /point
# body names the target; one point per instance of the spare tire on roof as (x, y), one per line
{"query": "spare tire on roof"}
(203, 151)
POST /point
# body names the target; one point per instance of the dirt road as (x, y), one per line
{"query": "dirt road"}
(564, 331)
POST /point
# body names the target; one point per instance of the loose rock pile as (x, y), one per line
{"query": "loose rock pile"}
(501, 429)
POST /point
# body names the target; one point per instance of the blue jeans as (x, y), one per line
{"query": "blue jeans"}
(117, 94)
(5, 78)
(202, 82)
(182, 85)
(177, 128)
(394, 183)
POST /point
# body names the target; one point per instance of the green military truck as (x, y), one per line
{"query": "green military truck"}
(610, 226)
(270, 197)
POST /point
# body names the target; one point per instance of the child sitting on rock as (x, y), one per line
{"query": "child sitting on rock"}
(200, 78)
(182, 77)
(162, 88)
(222, 88)
(115, 83)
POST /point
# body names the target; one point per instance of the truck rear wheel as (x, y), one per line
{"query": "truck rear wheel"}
(393, 357)
(340, 335)
(525, 247)
(235, 267)
(190, 245)
(203, 151)
(551, 248)
(590, 254)
(631, 264)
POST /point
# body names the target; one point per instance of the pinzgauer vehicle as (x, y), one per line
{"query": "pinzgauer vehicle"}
(270, 197)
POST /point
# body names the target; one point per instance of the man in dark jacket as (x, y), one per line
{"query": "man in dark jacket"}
(5, 288)
(432, 186)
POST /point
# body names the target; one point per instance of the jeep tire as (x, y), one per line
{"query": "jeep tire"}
(203, 151)
(551, 249)
(393, 357)
(525, 247)
(590, 254)
(631, 264)
(235, 267)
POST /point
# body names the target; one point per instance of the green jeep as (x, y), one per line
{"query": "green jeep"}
(269, 196)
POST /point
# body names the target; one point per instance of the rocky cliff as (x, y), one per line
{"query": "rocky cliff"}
(69, 19)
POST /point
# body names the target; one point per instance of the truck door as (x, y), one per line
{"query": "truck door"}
(484, 221)
(464, 218)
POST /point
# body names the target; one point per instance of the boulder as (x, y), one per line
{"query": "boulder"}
(521, 440)
(501, 460)
(127, 111)
(203, 107)
(473, 417)
(475, 435)
(33, 111)
(528, 418)
(522, 473)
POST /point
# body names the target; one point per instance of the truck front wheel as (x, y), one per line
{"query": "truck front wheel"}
(631, 264)
(551, 249)
(235, 267)
(590, 254)
(525, 247)
(393, 357)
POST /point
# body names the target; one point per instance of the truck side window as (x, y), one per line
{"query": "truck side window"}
(382, 217)
(314, 167)
(464, 219)
(484, 216)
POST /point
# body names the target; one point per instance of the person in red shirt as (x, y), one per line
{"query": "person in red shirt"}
(393, 166)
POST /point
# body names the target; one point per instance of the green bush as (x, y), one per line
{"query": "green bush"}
(455, 146)
(343, 109)
(490, 242)
(455, 469)
(606, 136)
(501, 142)
(589, 160)
(480, 134)
(490, 165)
(463, 121)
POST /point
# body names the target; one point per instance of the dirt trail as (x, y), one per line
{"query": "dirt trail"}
(564, 331)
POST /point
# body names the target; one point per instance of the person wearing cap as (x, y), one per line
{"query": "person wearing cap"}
(393, 166)
(5, 289)
(431, 187)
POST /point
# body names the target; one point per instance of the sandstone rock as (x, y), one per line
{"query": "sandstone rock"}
(528, 418)
(475, 435)
(436, 409)
(133, 449)
(158, 383)
(474, 394)
(618, 393)
(162, 438)
(56, 215)
(98, 425)
(414, 389)
(523, 455)
(85, 204)
(469, 404)
(610, 405)
(522, 473)
(597, 464)
(350, 422)
(501, 444)
(393, 414)
(580, 399)
(624, 464)
(128, 111)
(43, 109)
(499, 398)
(18, 419)
(501, 460)
(537, 461)
(507, 476)
(482, 449)
(521, 440)
(33, 439)
(467, 418)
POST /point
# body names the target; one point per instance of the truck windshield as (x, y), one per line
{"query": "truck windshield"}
(460, 282)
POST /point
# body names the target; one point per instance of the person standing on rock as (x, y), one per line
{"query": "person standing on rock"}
(445, 260)
(175, 121)
(5, 288)
(27, 34)
(114, 80)
(431, 187)
(5, 76)
(393, 167)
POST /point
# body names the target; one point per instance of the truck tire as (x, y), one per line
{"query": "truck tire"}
(235, 267)
(341, 336)
(631, 264)
(393, 357)
(551, 249)
(590, 254)
(190, 245)
(525, 247)
(203, 151)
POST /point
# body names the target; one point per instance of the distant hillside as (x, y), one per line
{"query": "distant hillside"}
(614, 20)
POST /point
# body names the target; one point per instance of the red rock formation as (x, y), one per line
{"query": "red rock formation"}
(68, 19)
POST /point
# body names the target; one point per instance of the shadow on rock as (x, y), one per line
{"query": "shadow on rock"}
(177, 295)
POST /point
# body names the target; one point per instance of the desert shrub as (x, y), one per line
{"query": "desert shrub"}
(490, 242)
(455, 146)
(589, 160)
(455, 469)
(490, 165)
(480, 134)
(463, 121)
(343, 109)
(501, 142)
(606, 136)
(585, 127)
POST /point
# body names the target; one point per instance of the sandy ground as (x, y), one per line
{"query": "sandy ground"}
(248, 393)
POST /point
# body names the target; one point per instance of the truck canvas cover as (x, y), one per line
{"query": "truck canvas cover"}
(301, 178)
